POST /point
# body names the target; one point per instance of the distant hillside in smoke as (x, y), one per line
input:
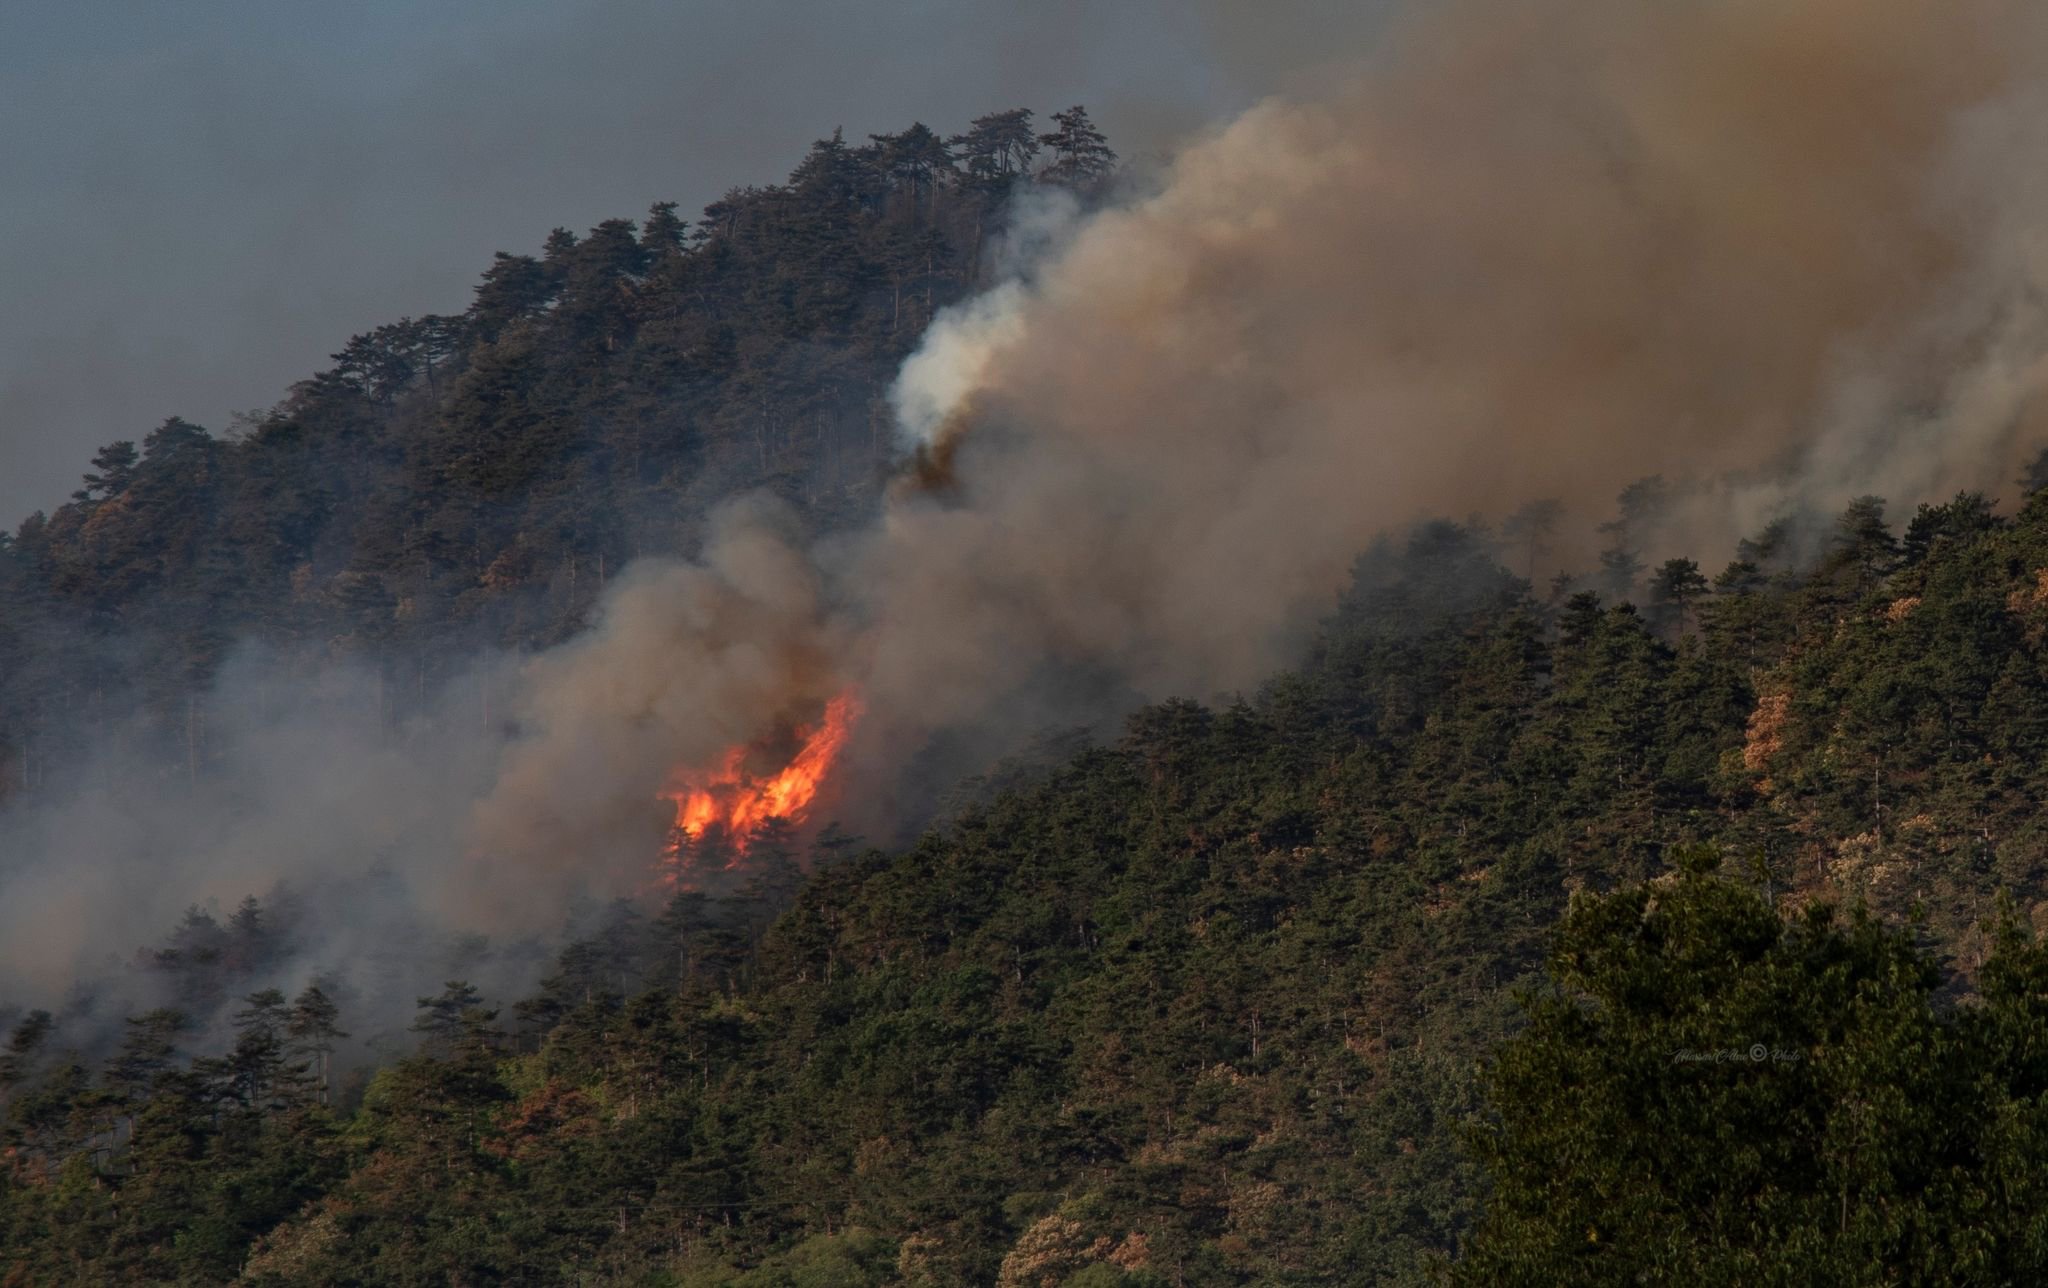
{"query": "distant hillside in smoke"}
(280, 659)
(456, 482)
(1154, 429)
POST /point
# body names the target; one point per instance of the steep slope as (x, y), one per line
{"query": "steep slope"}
(1205, 1006)
(475, 479)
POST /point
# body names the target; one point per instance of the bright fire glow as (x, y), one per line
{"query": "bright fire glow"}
(738, 801)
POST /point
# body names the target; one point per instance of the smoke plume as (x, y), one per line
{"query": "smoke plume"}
(687, 660)
(1782, 254)
(1786, 254)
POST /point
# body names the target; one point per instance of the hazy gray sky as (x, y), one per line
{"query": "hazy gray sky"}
(203, 200)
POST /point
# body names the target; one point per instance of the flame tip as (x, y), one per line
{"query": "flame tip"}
(740, 802)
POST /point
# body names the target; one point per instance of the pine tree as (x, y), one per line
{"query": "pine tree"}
(1863, 539)
(18, 1060)
(1081, 156)
(114, 467)
(998, 147)
(1677, 586)
(196, 960)
(311, 1033)
(147, 1052)
(172, 439)
(661, 233)
(772, 875)
(2035, 476)
(1959, 520)
(1770, 551)
(1531, 528)
(248, 946)
(514, 288)
(259, 1070)
(1628, 531)
(920, 161)
(445, 1018)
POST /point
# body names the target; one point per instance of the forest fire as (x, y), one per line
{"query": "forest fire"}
(736, 799)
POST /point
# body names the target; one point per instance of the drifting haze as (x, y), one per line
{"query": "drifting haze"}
(335, 820)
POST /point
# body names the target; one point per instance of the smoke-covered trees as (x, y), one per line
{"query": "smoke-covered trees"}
(1200, 1005)
(477, 477)
(257, 1072)
(17, 1061)
(1960, 519)
(1863, 540)
(1529, 532)
(147, 1052)
(447, 1017)
(1621, 561)
(1674, 591)
(1208, 1003)
(311, 1034)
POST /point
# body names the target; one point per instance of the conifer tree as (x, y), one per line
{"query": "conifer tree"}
(147, 1053)
(1676, 588)
(446, 1017)
(998, 147)
(311, 1034)
(1081, 155)
(114, 469)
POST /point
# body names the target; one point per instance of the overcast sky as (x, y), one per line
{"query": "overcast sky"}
(200, 201)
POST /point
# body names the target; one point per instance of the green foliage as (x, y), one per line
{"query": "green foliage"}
(855, 1259)
(1711, 1091)
(1216, 1003)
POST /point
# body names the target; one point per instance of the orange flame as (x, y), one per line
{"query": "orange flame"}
(732, 798)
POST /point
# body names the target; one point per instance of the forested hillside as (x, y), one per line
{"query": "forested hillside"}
(474, 479)
(1450, 951)
(1214, 1004)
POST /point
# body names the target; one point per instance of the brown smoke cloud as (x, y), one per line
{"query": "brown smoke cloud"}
(1537, 250)
(1788, 253)
(687, 660)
